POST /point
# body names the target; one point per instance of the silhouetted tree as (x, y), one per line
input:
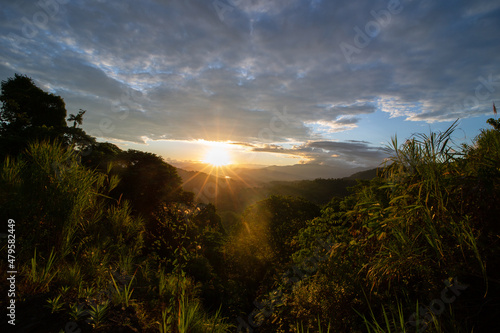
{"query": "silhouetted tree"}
(76, 136)
(495, 123)
(78, 119)
(28, 113)
(147, 181)
(99, 154)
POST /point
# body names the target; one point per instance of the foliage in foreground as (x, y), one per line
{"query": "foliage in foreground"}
(430, 217)
(412, 250)
(82, 257)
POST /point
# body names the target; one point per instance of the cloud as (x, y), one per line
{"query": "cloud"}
(341, 154)
(266, 73)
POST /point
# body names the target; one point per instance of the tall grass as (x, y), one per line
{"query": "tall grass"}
(166, 321)
(389, 321)
(71, 274)
(183, 311)
(399, 322)
(54, 194)
(217, 323)
(190, 316)
(300, 328)
(414, 232)
(123, 295)
(417, 230)
(194, 320)
(39, 277)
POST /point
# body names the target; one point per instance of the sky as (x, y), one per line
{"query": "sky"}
(269, 82)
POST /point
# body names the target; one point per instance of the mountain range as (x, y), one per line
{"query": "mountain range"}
(234, 188)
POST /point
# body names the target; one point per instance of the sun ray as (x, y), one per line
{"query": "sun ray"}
(219, 164)
(217, 156)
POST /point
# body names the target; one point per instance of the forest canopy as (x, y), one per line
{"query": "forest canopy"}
(107, 239)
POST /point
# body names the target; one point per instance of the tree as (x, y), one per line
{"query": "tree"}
(147, 181)
(99, 154)
(28, 113)
(77, 137)
(78, 119)
(495, 123)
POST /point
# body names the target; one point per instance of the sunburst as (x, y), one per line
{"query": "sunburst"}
(217, 156)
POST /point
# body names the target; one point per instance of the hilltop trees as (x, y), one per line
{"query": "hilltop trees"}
(99, 229)
(85, 214)
(147, 181)
(25, 105)
(28, 113)
(77, 249)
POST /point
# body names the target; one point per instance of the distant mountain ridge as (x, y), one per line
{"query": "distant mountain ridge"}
(367, 174)
(258, 176)
(246, 186)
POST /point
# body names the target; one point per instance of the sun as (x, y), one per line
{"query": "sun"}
(217, 156)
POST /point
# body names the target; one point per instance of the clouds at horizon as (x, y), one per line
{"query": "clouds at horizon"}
(262, 73)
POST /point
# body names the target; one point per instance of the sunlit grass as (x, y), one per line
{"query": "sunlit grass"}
(123, 294)
(39, 276)
(403, 233)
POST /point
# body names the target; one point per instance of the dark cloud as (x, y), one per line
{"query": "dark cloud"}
(262, 72)
(341, 154)
(353, 148)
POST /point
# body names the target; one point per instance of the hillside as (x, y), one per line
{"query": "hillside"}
(236, 194)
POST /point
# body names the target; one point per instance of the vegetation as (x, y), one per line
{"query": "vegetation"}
(106, 240)
(235, 195)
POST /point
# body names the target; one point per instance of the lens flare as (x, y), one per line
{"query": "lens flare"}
(217, 156)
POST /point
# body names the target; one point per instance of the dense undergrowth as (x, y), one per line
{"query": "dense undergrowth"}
(415, 249)
(106, 241)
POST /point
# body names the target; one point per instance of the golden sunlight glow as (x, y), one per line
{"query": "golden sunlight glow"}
(217, 156)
